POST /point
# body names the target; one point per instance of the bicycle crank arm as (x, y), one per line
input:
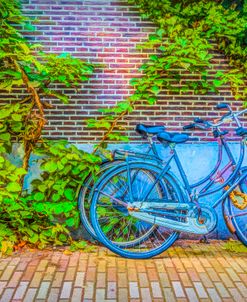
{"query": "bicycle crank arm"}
(204, 225)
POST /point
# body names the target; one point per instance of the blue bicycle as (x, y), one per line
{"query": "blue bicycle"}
(138, 195)
(84, 201)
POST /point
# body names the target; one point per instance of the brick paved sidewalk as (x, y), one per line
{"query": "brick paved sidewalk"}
(187, 272)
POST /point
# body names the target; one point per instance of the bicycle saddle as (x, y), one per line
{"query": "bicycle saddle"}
(172, 137)
(241, 131)
(144, 130)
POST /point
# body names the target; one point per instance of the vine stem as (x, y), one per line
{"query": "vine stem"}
(31, 139)
(109, 131)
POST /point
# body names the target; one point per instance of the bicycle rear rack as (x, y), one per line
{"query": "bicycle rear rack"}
(122, 154)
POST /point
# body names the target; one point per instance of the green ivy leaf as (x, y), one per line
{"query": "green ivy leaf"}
(34, 238)
(69, 194)
(13, 187)
(50, 166)
(39, 196)
(70, 222)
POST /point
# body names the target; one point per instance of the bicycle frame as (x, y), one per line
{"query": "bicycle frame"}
(232, 181)
(212, 176)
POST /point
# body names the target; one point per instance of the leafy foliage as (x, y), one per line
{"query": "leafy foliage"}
(188, 34)
(45, 215)
(20, 67)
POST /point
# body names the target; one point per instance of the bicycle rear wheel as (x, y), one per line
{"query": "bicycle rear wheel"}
(85, 195)
(112, 219)
(237, 216)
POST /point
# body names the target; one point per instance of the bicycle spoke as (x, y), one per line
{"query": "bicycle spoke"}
(123, 230)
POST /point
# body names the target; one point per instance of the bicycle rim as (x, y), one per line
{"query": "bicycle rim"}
(85, 202)
(113, 222)
(239, 217)
(84, 199)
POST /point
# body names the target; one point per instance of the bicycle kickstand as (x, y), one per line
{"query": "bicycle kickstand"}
(204, 239)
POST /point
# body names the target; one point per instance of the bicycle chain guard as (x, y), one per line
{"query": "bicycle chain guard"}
(192, 222)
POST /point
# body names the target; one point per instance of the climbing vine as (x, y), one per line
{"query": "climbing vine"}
(46, 213)
(188, 34)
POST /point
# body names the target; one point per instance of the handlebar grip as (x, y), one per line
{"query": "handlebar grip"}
(198, 120)
(190, 126)
(222, 106)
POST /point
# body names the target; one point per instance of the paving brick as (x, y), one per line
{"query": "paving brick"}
(178, 289)
(49, 273)
(194, 276)
(111, 274)
(20, 290)
(236, 295)
(79, 279)
(123, 294)
(100, 295)
(70, 274)
(146, 295)
(243, 277)
(37, 277)
(7, 295)
(132, 274)
(164, 280)
(77, 295)
(30, 295)
(169, 295)
(173, 274)
(28, 274)
(122, 279)
(42, 265)
(43, 290)
(185, 279)
(190, 292)
(111, 290)
(144, 280)
(242, 288)
(15, 279)
(53, 295)
(66, 290)
(3, 284)
(7, 273)
(89, 290)
(58, 279)
(205, 280)
(200, 290)
(214, 295)
(223, 292)
(232, 274)
(133, 290)
(156, 290)
(226, 280)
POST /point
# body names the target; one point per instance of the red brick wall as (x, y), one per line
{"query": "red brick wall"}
(107, 32)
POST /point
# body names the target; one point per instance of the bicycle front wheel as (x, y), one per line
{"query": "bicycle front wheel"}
(112, 219)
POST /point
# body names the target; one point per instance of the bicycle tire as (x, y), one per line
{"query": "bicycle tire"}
(147, 169)
(84, 198)
(84, 201)
(239, 222)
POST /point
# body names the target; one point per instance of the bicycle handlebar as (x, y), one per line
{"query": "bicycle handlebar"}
(203, 124)
(190, 126)
(199, 120)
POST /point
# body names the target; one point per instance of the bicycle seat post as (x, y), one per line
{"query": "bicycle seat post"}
(152, 145)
